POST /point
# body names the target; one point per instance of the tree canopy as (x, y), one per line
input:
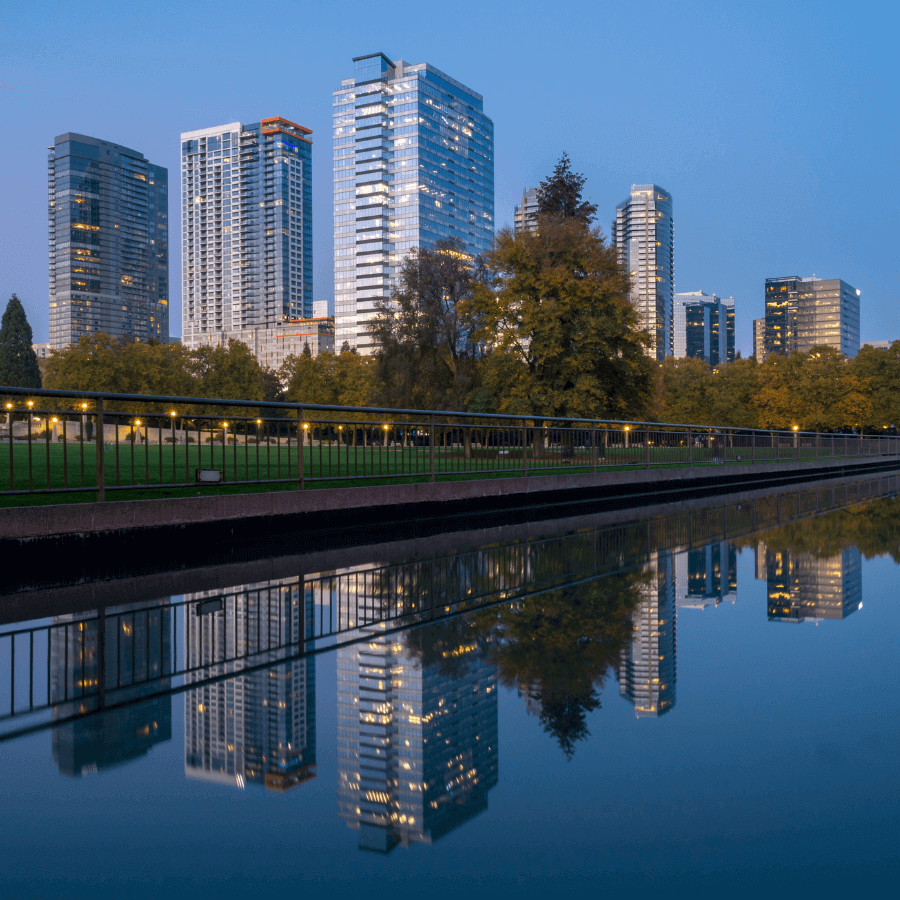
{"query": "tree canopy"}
(429, 354)
(18, 361)
(562, 335)
(559, 197)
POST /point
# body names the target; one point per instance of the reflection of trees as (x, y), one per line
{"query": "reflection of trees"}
(873, 527)
(563, 644)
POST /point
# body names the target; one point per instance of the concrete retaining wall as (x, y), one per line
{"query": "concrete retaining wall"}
(501, 493)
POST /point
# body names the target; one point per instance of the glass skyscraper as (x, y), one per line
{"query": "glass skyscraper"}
(703, 327)
(802, 313)
(109, 242)
(246, 205)
(413, 163)
(643, 233)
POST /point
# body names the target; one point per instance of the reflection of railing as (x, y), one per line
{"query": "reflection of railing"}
(49, 444)
(244, 629)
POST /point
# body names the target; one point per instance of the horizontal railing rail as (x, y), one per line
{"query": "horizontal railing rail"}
(80, 442)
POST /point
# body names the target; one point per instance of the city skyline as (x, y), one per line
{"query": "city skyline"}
(707, 137)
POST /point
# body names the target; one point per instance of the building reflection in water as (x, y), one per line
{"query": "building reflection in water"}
(705, 576)
(647, 666)
(417, 738)
(115, 656)
(257, 727)
(802, 586)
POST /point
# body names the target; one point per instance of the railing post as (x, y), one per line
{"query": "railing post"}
(690, 440)
(724, 446)
(753, 445)
(431, 448)
(647, 442)
(101, 460)
(301, 469)
(594, 445)
(524, 448)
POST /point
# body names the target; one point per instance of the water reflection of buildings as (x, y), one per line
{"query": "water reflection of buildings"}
(647, 666)
(116, 656)
(801, 586)
(257, 727)
(417, 739)
(705, 576)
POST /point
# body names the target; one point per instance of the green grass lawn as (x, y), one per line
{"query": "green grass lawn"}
(134, 471)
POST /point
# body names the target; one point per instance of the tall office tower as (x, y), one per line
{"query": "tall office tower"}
(705, 576)
(413, 164)
(643, 233)
(417, 738)
(259, 727)
(125, 652)
(647, 667)
(703, 327)
(109, 242)
(802, 313)
(759, 340)
(801, 586)
(246, 229)
(526, 212)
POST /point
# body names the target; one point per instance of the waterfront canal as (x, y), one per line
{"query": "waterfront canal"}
(703, 698)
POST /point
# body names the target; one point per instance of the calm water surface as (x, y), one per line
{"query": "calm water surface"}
(687, 702)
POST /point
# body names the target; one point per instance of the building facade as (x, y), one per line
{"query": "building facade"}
(525, 218)
(802, 313)
(246, 233)
(272, 346)
(413, 164)
(643, 233)
(703, 327)
(109, 242)
(759, 339)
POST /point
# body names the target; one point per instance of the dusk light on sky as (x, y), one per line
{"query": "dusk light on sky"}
(773, 125)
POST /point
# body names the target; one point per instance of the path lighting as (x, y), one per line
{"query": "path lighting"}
(9, 406)
(84, 405)
(259, 421)
(136, 421)
(173, 414)
(224, 424)
(56, 420)
(30, 403)
(796, 427)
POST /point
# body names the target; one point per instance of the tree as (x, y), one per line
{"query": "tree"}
(428, 353)
(563, 337)
(880, 369)
(229, 372)
(815, 391)
(687, 388)
(559, 197)
(18, 361)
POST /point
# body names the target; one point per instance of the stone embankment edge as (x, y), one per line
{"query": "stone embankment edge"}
(127, 515)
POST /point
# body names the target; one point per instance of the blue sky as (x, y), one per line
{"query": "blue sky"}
(775, 126)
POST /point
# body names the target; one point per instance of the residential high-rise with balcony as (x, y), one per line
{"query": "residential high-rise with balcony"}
(525, 218)
(246, 233)
(109, 242)
(802, 313)
(413, 163)
(643, 233)
(703, 327)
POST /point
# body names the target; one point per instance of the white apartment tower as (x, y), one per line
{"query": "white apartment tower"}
(643, 233)
(246, 232)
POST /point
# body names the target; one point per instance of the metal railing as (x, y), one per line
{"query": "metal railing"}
(60, 442)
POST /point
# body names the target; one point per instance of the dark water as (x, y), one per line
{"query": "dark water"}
(691, 700)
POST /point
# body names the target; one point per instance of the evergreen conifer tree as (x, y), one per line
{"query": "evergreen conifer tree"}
(18, 361)
(559, 197)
